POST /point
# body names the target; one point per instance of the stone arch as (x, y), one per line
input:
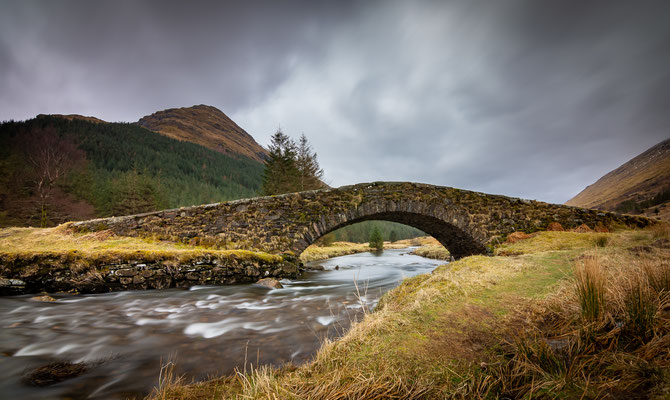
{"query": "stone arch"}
(460, 239)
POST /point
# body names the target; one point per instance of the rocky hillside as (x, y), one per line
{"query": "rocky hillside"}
(206, 126)
(640, 186)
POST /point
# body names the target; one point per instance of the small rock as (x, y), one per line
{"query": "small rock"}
(271, 283)
(11, 283)
(316, 267)
(43, 298)
(337, 267)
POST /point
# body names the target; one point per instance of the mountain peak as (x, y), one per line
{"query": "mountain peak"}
(207, 126)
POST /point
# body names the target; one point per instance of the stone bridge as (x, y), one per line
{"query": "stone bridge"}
(465, 222)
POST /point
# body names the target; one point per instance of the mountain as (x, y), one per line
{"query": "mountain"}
(206, 126)
(640, 186)
(106, 169)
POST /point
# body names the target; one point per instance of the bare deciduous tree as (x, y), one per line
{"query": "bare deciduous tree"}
(52, 156)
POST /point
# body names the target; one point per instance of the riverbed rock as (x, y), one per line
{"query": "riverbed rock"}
(54, 373)
(271, 283)
(316, 267)
(43, 298)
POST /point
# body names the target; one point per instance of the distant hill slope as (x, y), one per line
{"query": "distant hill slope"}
(72, 117)
(206, 126)
(112, 169)
(642, 185)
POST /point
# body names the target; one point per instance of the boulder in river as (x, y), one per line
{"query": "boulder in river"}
(42, 298)
(271, 283)
(54, 373)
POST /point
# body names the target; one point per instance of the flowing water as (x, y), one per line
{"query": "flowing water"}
(208, 330)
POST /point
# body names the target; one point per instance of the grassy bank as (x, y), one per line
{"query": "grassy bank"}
(558, 315)
(337, 249)
(63, 243)
(431, 248)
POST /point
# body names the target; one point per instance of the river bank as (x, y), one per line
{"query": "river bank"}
(57, 259)
(60, 259)
(426, 247)
(558, 314)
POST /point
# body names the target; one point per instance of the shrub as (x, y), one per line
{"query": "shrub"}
(601, 241)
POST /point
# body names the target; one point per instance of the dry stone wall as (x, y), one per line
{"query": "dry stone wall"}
(465, 222)
(63, 273)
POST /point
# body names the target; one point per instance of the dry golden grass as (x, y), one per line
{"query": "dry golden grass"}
(555, 240)
(437, 252)
(337, 249)
(63, 241)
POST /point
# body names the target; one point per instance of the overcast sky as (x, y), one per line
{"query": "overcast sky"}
(527, 98)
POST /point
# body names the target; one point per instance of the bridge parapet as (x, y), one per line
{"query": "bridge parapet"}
(463, 221)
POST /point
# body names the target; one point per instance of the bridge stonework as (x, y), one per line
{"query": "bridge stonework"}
(465, 222)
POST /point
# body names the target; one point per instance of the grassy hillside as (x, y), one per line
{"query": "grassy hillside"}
(109, 169)
(641, 186)
(207, 126)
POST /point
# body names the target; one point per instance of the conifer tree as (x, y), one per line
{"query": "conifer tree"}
(376, 240)
(310, 172)
(281, 173)
(290, 167)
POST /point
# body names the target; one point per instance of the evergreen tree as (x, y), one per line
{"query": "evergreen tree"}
(290, 167)
(309, 171)
(376, 240)
(281, 173)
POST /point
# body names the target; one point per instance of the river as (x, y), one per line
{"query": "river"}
(207, 330)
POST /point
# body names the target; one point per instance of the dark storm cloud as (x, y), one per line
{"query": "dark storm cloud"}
(521, 97)
(137, 57)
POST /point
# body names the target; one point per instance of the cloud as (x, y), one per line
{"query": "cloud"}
(495, 99)
(518, 97)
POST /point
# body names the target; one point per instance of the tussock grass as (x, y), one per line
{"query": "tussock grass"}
(590, 287)
(601, 240)
(609, 340)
